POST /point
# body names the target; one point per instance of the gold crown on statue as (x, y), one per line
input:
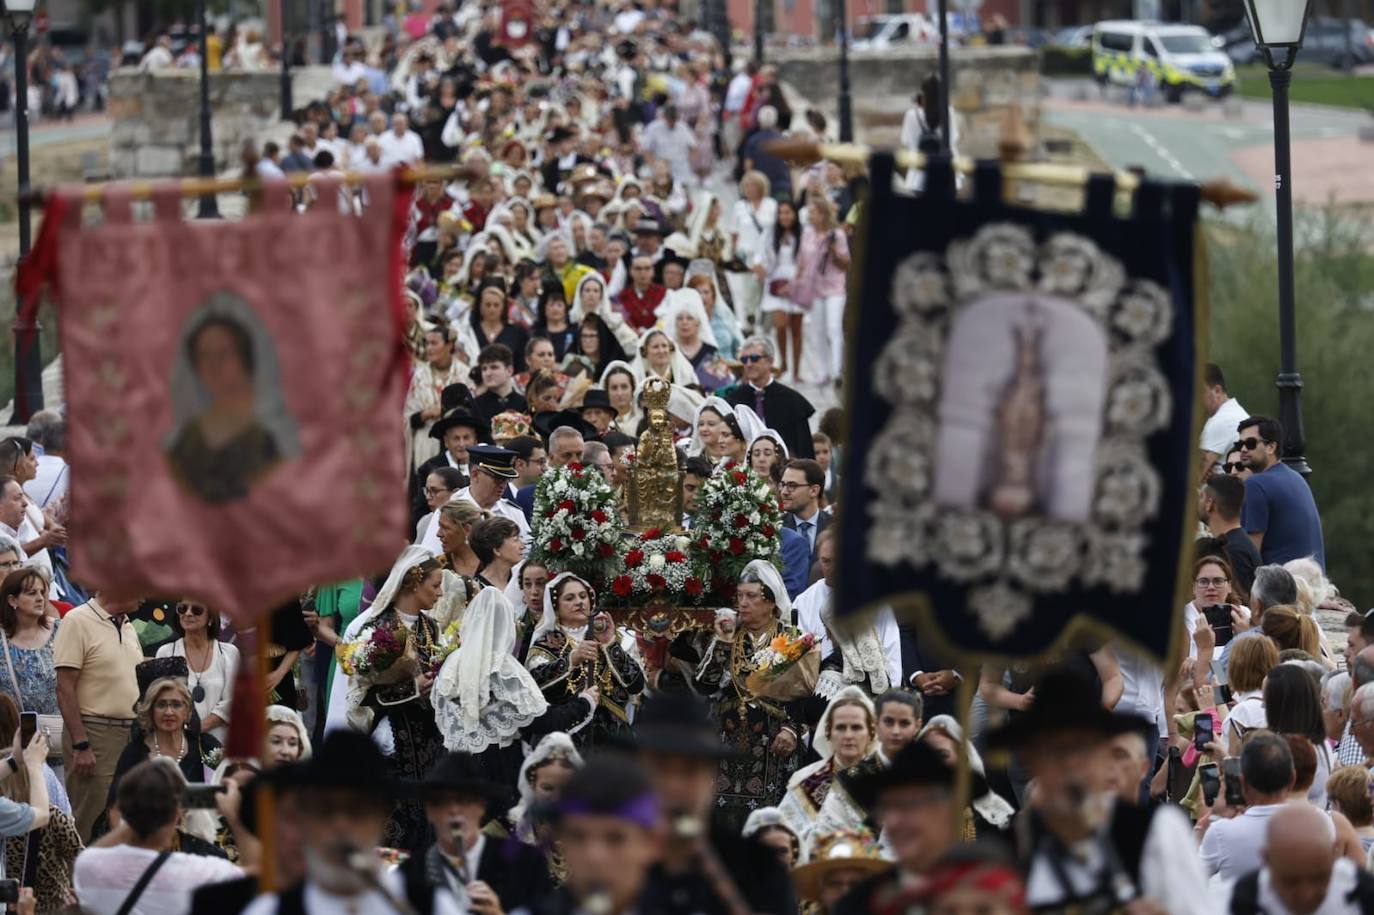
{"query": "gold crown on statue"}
(656, 393)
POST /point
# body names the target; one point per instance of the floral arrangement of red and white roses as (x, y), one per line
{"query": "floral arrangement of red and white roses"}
(737, 520)
(577, 526)
(658, 565)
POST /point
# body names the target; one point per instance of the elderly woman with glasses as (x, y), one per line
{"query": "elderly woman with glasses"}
(211, 663)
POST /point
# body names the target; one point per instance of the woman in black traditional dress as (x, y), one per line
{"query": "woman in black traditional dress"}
(398, 706)
(575, 648)
(765, 734)
(486, 704)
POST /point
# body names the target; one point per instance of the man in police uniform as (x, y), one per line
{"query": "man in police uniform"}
(491, 470)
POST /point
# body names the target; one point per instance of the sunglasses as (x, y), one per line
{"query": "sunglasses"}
(1232, 466)
(1251, 443)
(751, 358)
(190, 610)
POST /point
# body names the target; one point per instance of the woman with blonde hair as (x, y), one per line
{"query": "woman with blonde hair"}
(1291, 628)
(845, 735)
(1250, 662)
(752, 219)
(287, 740)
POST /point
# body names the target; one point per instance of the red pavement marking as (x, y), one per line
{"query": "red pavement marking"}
(1331, 168)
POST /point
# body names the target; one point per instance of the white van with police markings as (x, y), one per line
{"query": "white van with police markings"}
(1179, 58)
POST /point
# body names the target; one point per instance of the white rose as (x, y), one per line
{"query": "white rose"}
(753, 517)
(577, 549)
(682, 543)
(656, 562)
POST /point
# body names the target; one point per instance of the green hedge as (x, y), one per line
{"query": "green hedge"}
(1066, 61)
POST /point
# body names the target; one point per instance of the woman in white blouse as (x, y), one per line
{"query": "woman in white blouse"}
(752, 219)
(212, 664)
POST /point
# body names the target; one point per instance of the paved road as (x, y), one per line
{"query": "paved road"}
(84, 127)
(1173, 142)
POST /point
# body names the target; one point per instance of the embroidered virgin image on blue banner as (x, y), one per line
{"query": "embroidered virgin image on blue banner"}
(1021, 418)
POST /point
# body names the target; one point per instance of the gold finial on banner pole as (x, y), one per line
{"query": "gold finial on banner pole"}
(1220, 192)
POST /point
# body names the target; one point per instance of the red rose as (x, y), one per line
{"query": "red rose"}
(652, 533)
(605, 550)
(694, 586)
(600, 517)
(704, 542)
(568, 505)
(717, 555)
(550, 513)
(657, 582)
(736, 546)
(769, 530)
(739, 477)
(556, 545)
(623, 585)
(675, 556)
(574, 466)
(732, 464)
(579, 534)
(634, 558)
(741, 521)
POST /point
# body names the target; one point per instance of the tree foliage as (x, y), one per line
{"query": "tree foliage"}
(1334, 281)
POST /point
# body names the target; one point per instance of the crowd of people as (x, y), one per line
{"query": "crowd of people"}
(531, 754)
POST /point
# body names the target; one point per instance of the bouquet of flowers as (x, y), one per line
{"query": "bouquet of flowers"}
(656, 564)
(378, 654)
(786, 669)
(737, 521)
(448, 643)
(577, 525)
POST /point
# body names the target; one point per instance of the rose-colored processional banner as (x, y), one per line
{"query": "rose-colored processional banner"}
(234, 393)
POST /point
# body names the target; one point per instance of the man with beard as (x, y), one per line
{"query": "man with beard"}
(1279, 512)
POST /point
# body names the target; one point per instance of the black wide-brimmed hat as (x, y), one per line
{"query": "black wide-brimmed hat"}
(549, 420)
(681, 725)
(916, 764)
(460, 773)
(1064, 701)
(347, 760)
(460, 416)
(596, 399)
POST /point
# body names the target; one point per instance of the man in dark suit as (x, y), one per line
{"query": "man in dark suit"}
(477, 869)
(781, 408)
(802, 481)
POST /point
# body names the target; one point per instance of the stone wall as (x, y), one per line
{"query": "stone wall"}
(986, 82)
(157, 116)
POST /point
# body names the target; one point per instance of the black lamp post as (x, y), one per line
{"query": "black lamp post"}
(209, 207)
(846, 114)
(1278, 27)
(758, 31)
(28, 363)
(286, 103)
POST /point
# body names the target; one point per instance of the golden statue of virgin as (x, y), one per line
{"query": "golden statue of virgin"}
(655, 486)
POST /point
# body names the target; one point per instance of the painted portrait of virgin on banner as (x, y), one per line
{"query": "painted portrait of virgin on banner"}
(234, 393)
(1021, 419)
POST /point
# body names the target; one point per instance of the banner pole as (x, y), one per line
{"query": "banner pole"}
(265, 796)
(963, 775)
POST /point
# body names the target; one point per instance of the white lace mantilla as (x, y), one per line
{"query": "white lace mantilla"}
(512, 706)
(1005, 563)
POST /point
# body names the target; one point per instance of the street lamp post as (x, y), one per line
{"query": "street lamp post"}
(28, 363)
(286, 104)
(209, 207)
(758, 31)
(1278, 27)
(846, 114)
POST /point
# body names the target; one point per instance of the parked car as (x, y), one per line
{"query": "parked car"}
(878, 32)
(1075, 36)
(1323, 43)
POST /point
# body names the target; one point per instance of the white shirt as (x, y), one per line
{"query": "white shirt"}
(1341, 885)
(158, 58)
(50, 482)
(503, 509)
(816, 598)
(406, 149)
(737, 93)
(319, 902)
(1219, 432)
(1232, 847)
(104, 877)
(268, 170)
(1169, 870)
(217, 680)
(753, 227)
(350, 74)
(1143, 686)
(1246, 714)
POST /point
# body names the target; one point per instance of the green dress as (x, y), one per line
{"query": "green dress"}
(341, 600)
